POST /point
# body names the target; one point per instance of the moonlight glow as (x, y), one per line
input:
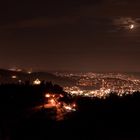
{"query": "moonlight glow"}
(132, 26)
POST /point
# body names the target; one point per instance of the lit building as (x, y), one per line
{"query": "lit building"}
(13, 76)
(37, 82)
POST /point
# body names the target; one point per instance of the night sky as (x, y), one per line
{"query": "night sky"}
(83, 35)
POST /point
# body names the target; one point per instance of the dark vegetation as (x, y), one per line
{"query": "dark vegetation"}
(5, 77)
(113, 118)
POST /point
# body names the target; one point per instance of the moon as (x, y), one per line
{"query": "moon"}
(131, 26)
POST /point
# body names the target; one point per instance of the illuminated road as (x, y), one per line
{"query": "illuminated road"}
(61, 109)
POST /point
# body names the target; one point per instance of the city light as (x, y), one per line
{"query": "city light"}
(14, 77)
(74, 105)
(101, 85)
(37, 82)
(52, 101)
(47, 95)
(68, 107)
(62, 108)
(29, 72)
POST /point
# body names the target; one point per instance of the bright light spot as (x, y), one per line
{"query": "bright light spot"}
(61, 95)
(68, 107)
(74, 105)
(37, 82)
(131, 26)
(29, 72)
(52, 101)
(19, 70)
(14, 77)
(47, 95)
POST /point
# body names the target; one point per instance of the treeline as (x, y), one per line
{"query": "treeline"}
(113, 118)
(26, 94)
(16, 100)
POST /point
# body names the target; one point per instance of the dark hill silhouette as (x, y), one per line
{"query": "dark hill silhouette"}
(6, 77)
(113, 118)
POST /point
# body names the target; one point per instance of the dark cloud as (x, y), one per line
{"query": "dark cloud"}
(40, 23)
(126, 22)
(70, 34)
(113, 8)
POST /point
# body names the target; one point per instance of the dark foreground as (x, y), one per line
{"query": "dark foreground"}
(115, 118)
